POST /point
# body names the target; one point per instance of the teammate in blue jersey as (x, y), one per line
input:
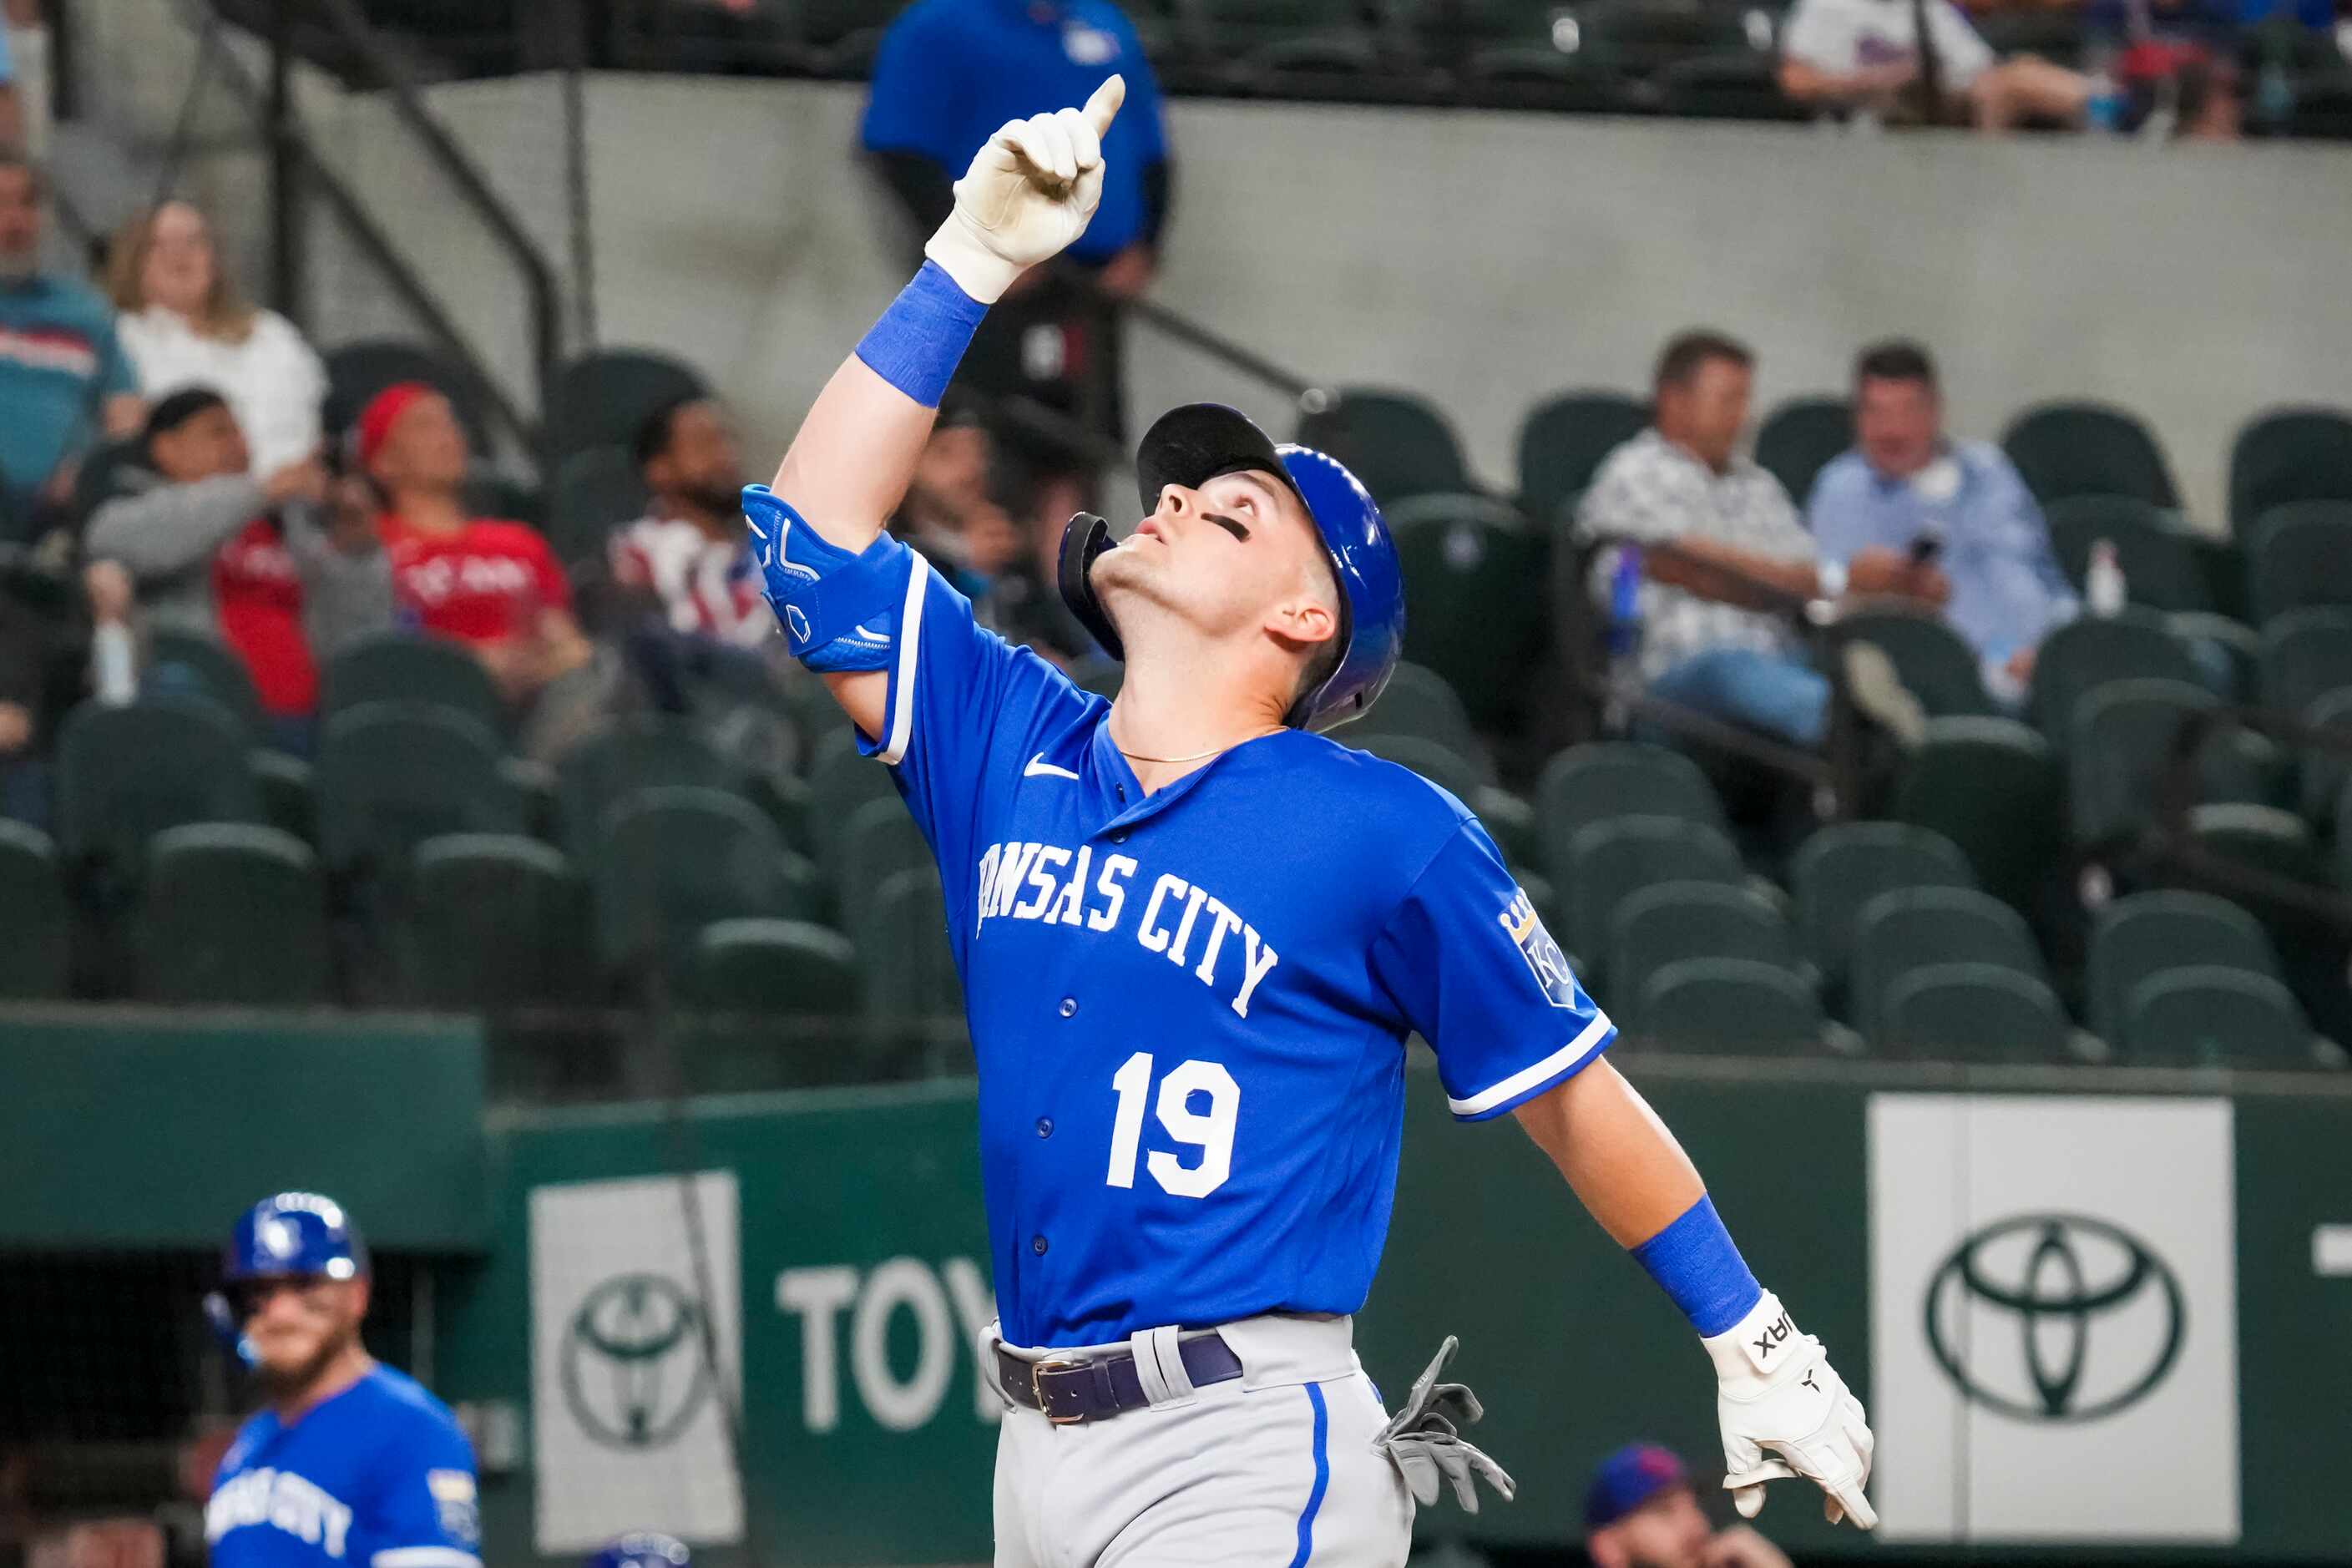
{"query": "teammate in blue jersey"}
(348, 1462)
(1194, 936)
(643, 1549)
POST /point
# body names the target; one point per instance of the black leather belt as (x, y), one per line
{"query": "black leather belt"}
(1069, 1392)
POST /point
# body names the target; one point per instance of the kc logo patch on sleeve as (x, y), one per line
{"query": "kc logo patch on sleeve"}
(1545, 960)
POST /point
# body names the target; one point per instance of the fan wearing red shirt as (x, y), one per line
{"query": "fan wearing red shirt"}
(495, 586)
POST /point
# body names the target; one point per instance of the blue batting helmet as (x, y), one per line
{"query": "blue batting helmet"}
(643, 1549)
(1192, 445)
(288, 1235)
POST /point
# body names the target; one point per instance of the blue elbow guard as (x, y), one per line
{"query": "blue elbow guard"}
(840, 612)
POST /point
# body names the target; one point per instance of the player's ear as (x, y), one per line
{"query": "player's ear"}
(1302, 621)
(1605, 1549)
(361, 1289)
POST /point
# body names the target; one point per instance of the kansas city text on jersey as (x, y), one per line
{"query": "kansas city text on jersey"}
(283, 1499)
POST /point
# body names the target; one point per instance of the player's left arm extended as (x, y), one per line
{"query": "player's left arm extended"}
(1785, 1412)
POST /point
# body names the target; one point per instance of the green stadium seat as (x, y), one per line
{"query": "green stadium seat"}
(2206, 1015)
(2306, 654)
(595, 493)
(1733, 1006)
(1936, 664)
(1563, 440)
(390, 775)
(2325, 771)
(1474, 596)
(1841, 869)
(673, 859)
(1976, 1013)
(494, 922)
(1992, 788)
(633, 754)
(1272, 43)
(2261, 839)
(840, 780)
(2164, 566)
(1798, 439)
(1418, 701)
(357, 371)
(2093, 651)
(1899, 932)
(1605, 779)
(2067, 449)
(601, 398)
(36, 925)
(1643, 37)
(879, 841)
(2288, 455)
(2229, 653)
(907, 968)
(775, 1004)
(397, 667)
(1398, 444)
(1675, 920)
(232, 914)
(2300, 555)
(1609, 861)
(2119, 745)
(184, 661)
(287, 801)
(2147, 933)
(126, 773)
(1738, 82)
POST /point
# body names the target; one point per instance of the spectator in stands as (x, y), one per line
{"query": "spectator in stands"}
(1865, 57)
(63, 381)
(1736, 551)
(197, 544)
(1641, 1512)
(949, 72)
(690, 555)
(185, 323)
(495, 586)
(12, 112)
(1906, 487)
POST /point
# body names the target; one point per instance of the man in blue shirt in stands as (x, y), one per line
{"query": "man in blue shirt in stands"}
(1962, 506)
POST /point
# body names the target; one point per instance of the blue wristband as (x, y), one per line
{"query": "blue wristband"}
(920, 339)
(1693, 1261)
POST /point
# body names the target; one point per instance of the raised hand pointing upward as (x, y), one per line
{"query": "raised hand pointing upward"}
(1029, 193)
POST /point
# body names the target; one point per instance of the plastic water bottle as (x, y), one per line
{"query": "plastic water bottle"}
(1625, 638)
(2104, 588)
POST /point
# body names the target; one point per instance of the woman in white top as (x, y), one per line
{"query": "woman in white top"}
(185, 323)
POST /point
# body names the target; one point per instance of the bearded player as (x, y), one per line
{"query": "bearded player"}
(347, 1462)
(1194, 937)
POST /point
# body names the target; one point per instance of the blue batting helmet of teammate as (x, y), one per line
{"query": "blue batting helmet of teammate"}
(285, 1236)
(1192, 445)
(643, 1549)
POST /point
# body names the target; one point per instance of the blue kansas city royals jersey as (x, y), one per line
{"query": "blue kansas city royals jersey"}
(378, 1476)
(1190, 1008)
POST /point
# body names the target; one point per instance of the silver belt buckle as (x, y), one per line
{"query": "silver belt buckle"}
(1038, 1391)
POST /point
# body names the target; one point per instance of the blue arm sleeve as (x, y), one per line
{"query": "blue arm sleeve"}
(425, 1514)
(1472, 969)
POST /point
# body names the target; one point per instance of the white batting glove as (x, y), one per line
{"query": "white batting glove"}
(1028, 194)
(1786, 1414)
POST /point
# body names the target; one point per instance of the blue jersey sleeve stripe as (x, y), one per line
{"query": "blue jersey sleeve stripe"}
(910, 638)
(1322, 1477)
(424, 1557)
(1530, 1082)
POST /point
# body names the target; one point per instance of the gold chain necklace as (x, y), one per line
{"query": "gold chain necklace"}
(1190, 757)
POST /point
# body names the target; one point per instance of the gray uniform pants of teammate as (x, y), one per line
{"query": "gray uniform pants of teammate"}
(1273, 1467)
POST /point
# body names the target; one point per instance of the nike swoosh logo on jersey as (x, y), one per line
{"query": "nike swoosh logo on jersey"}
(1039, 768)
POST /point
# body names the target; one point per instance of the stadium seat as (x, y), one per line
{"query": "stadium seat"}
(1731, 1006)
(1398, 444)
(1898, 933)
(1611, 860)
(2147, 933)
(126, 773)
(2092, 651)
(848, 31)
(2119, 745)
(1642, 37)
(198, 666)
(493, 922)
(1992, 788)
(673, 859)
(2325, 771)
(2164, 566)
(399, 666)
(776, 1004)
(596, 492)
(2067, 449)
(288, 802)
(633, 754)
(1798, 439)
(2306, 654)
(840, 780)
(1675, 920)
(2300, 555)
(1473, 594)
(1935, 663)
(1607, 779)
(1841, 869)
(2288, 455)
(2260, 838)
(601, 398)
(1418, 702)
(908, 970)
(2205, 1015)
(35, 926)
(879, 841)
(1273, 44)
(1741, 83)
(2229, 653)
(1563, 440)
(357, 372)
(390, 775)
(1970, 1013)
(232, 914)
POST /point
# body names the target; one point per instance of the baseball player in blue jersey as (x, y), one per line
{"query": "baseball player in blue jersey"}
(347, 1462)
(1194, 937)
